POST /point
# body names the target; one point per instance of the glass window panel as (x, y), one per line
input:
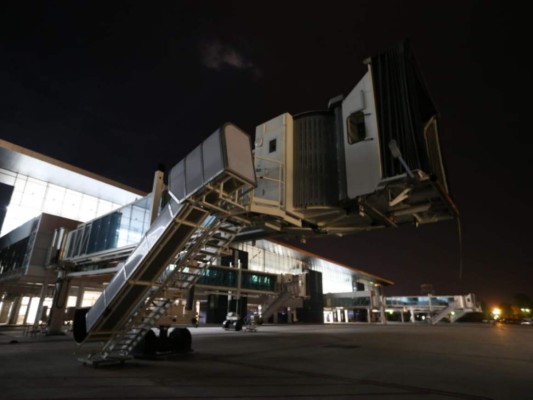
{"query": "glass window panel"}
(32, 313)
(137, 223)
(16, 216)
(88, 207)
(105, 207)
(71, 204)
(53, 201)
(33, 194)
(356, 127)
(20, 182)
(16, 197)
(89, 298)
(7, 177)
(124, 230)
(72, 300)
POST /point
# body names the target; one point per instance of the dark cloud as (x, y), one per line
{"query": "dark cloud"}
(217, 55)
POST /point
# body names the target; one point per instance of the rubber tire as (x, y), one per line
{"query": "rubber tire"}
(79, 329)
(147, 347)
(237, 325)
(181, 340)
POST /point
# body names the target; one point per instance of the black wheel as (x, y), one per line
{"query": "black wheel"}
(147, 347)
(237, 325)
(226, 324)
(79, 329)
(181, 340)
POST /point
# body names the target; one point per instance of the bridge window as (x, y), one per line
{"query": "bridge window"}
(272, 146)
(356, 127)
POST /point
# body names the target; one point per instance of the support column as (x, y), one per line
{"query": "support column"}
(412, 317)
(382, 305)
(382, 315)
(81, 292)
(369, 314)
(15, 307)
(44, 290)
(59, 304)
(430, 316)
(25, 320)
(157, 191)
(401, 316)
(4, 312)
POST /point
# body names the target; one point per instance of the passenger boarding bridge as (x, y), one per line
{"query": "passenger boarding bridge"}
(366, 306)
(433, 309)
(370, 160)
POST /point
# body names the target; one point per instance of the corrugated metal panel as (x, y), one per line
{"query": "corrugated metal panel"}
(315, 162)
(210, 159)
(403, 108)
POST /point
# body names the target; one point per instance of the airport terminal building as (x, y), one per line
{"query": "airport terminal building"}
(66, 231)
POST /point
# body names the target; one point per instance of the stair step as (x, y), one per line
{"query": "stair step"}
(208, 253)
(229, 230)
(219, 238)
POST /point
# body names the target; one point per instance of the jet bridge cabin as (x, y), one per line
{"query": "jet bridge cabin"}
(371, 159)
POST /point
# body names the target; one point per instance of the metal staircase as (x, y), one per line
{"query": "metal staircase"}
(203, 216)
(460, 306)
(288, 291)
(200, 252)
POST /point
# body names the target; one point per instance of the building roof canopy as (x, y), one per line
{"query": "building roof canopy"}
(27, 162)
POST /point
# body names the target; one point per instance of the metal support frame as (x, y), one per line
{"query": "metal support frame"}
(220, 204)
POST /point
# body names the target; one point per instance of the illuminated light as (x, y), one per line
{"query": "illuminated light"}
(496, 312)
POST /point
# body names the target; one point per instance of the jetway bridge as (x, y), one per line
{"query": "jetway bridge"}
(371, 160)
(435, 308)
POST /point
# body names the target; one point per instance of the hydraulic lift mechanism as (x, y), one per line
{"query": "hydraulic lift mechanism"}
(369, 160)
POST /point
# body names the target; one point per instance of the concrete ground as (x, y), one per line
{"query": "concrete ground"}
(351, 361)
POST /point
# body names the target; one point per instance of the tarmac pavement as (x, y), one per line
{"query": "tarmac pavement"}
(341, 361)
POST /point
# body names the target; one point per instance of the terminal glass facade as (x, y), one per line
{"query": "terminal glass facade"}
(276, 259)
(425, 301)
(32, 197)
(228, 278)
(123, 227)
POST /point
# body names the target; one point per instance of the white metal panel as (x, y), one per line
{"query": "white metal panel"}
(363, 163)
(269, 163)
(239, 157)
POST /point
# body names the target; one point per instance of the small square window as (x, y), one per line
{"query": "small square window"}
(356, 127)
(272, 146)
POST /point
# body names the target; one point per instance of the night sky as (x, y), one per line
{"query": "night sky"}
(119, 88)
